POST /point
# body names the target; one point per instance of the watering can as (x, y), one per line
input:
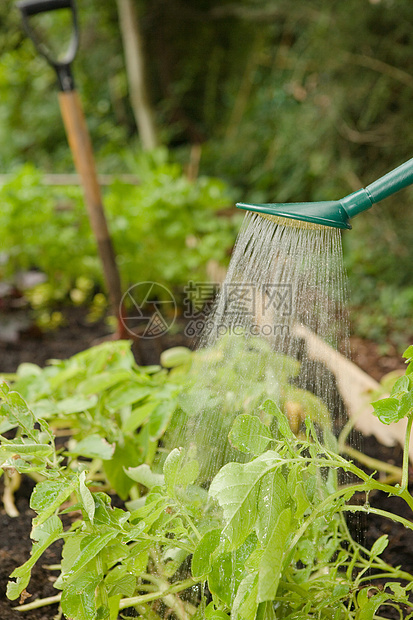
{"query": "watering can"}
(79, 140)
(337, 213)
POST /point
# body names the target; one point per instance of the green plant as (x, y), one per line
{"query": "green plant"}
(111, 411)
(268, 538)
(166, 229)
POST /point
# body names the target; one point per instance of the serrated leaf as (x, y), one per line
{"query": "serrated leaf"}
(93, 447)
(78, 599)
(144, 475)
(248, 434)
(271, 408)
(88, 503)
(46, 534)
(201, 558)
(402, 385)
(21, 412)
(90, 546)
(386, 410)
(236, 488)
(48, 496)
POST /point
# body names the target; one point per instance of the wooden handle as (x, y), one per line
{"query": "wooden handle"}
(81, 147)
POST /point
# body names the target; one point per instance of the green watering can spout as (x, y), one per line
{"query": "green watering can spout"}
(337, 213)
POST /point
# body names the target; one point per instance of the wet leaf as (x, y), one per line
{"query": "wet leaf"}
(201, 559)
(270, 407)
(271, 564)
(248, 434)
(178, 470)
(236, 489)
(48, 496)
(386, 410)
(90, 546)
(78, 599)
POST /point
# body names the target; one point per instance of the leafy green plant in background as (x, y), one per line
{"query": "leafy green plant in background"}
(268, 538)
(166, 229)
(110, 410)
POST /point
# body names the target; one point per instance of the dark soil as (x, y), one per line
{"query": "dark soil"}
(33, 346)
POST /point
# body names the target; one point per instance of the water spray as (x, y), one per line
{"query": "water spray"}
(335, 213)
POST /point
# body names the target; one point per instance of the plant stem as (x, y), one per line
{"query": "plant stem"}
(377, 511)
(374, 464)
(40, 602)
(405, 476)
(153, 596)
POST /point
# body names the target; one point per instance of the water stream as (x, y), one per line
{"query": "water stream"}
(279, 278)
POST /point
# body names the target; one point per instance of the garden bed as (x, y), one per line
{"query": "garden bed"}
(77, 335)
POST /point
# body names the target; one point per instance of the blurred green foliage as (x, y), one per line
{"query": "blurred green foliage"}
(165, 229)
(307, 100)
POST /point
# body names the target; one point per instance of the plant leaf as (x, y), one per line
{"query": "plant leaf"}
(90, 546)
(160, 417)
(48, 496)
(201, 559)
(88, 502)
(248, 434)
(271, 563)
(270, 407)
(93, 447)
(400, 387)
(138, 416)
(144, 475)
(380, 545)
(386, 410)
(46, 534)
(236, 489)
(79, 600)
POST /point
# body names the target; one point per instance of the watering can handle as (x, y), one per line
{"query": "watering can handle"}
(392, 182)
(33, 7)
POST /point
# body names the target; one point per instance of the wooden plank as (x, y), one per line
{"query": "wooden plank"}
(74, 179)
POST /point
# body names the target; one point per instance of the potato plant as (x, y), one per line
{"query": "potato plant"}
(266, 540)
